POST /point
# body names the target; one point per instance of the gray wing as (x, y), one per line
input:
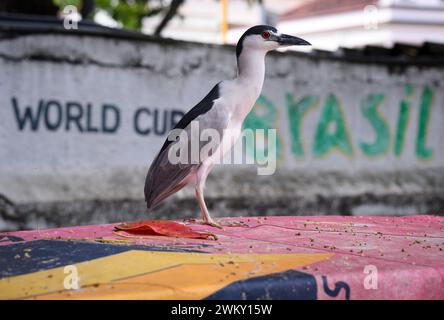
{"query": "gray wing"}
(165, 178)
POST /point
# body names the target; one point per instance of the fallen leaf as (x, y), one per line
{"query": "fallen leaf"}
(162, 228)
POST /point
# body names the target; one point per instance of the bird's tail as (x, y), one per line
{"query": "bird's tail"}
(163, 179)
(156, 191)
(153, 198)
(149, 194)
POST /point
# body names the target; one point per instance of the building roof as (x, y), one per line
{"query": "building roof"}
(428, 54)
(310, 8)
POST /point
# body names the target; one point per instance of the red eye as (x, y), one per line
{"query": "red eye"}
(265, 34)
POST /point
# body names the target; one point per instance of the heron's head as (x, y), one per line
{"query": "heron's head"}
(266, 38)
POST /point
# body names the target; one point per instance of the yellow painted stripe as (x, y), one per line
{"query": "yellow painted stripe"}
(152, 275)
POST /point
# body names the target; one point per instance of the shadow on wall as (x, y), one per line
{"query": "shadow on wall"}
(299, 193)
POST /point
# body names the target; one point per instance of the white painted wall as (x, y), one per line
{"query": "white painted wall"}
(61, 164)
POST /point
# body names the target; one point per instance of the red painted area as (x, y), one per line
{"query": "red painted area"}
(160, 228)
(407, 252)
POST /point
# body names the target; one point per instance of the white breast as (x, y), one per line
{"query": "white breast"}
(238, 96)
(237, 100)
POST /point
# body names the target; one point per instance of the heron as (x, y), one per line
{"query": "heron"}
(223, 109)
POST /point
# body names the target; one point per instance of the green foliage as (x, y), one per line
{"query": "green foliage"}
(128, 12)
(63, 3)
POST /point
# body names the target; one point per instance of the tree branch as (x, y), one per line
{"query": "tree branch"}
(172, 10)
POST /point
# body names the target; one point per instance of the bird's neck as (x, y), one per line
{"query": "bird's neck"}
(251, 68)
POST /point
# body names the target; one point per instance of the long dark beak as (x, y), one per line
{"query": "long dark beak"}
(287, 40)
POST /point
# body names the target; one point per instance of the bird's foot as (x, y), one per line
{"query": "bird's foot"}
(213, 223)
(210, 222)
(218, 224)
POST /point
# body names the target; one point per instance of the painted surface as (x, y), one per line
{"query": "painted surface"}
(82, 117)
(364, 131)
(271, 258)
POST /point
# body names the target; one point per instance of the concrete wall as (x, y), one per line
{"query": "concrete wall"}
(81, 118)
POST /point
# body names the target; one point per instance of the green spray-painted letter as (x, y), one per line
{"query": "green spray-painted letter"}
(403, 121)
(263, 116)
(332, 130)
(296, 112)
(422, 151)
(370, 111)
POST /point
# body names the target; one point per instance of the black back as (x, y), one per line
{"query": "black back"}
(202, 107)
(253, 30)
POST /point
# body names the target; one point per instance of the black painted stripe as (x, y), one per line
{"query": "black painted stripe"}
(32, 256)
(286, 285)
